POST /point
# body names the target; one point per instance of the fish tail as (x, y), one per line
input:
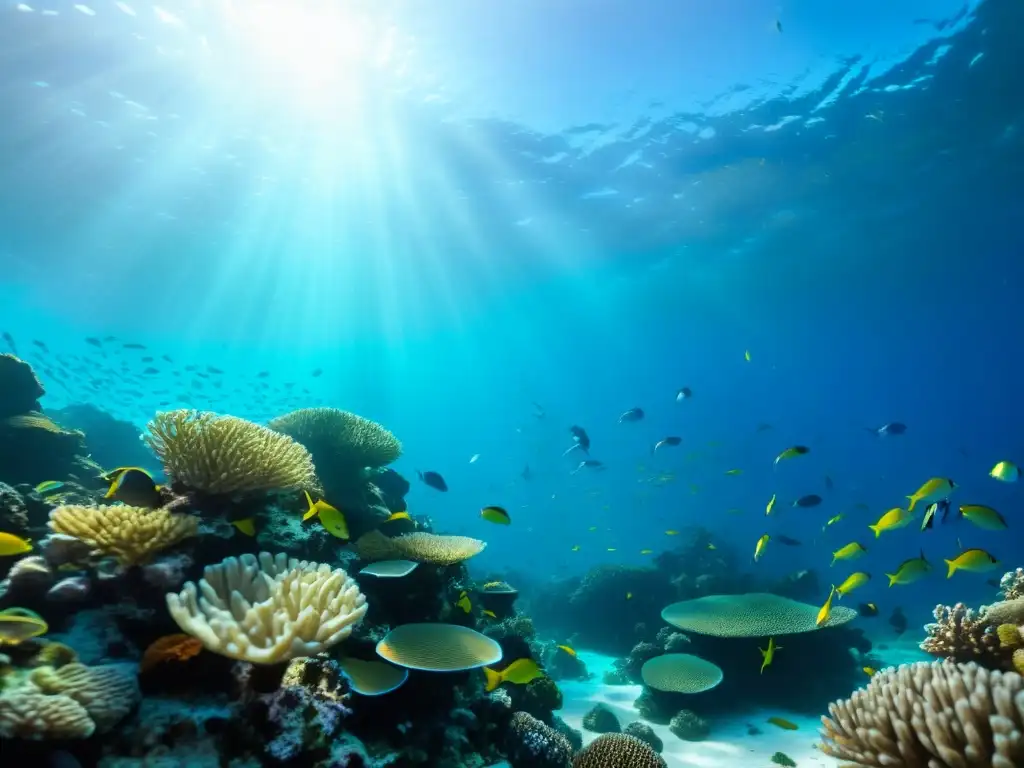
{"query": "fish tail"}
(951, 565)
(892, 579)
(877, 529)
(913, 501)
(493, 679)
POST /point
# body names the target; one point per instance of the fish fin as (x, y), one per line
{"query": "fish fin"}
(111, 490)
(877, 529)
(913, 501)
(892, 578)
(951, 565)
(493, 679)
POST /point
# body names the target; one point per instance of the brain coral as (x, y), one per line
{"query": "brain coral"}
(617, 750)
(216, 454)
(939, 714)
(28, 713)
(758, 614)
(108, 691)
(340, 440)
(130, 534)
(268, 609)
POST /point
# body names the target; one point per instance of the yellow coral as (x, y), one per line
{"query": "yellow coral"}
(131, 534)
(1009, 635)
(421, 547)
(340, 439)
(28, 713)
(108, 691)
(216, 454)
(269, 609)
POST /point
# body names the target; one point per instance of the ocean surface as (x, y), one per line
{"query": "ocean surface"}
(481, 224)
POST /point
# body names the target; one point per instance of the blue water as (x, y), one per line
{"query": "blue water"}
(457, 211)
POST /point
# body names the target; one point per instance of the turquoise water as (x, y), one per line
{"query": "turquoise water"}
(483, 224)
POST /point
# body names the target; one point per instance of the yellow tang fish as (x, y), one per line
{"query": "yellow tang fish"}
(826, 609)
(892, 520)
(832, 521)
(975, 560)
(567, 649)
(792, 453)
(869, 671)
(769, 653)
(1006, 471)
(910, 571)
(575, 547)
(711, 546)
(759, 547)
(770, 507)
(851, 551)
(520, 672)
(629, 595)
(933, 490)
(646, 551)
(782, 723)
(246, 526)
(854, 580)
(330, 518)
(13, 545)
(463, 602)
(983, 517)
(495, 515)
(746, 355)
(398, 516)
(489, 614)
(671, 532)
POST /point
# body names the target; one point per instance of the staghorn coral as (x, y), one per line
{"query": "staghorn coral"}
(108, 692)
(210, 453)
(341, 442)
(421, 547)
(617, 750)
(27, 713)
(961, 635)
(268, 609)
(1011, 585)
(130, 534)
(938, 714)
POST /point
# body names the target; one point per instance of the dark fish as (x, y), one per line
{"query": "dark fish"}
(151, 371)
(778, 26)
(94, 341)
(133, 345)
(886, 430)
(933, 509)
(262, 374)
(109, 338)
(213, 370)
(810, 500)
(538, 410)
(190, 368)
(580, 439)
(633, 414)
(670, 441)
(147, 359)
(789, 542)
(684, 394)
(10, 342)
(166, 358)
(526, 474)
(588, 464)
(317, 372)
(434, 480)
(828, 483)
(763, 427)
(135, 487)
(867, 610)
(898, 621)
(40, 345)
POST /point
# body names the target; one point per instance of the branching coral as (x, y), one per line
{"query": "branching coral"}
(270, 609)
(216, 454)
(1011, 585)
(959, 634)
(130, 534)
(421, 547)
(340, 441)
(940, 715)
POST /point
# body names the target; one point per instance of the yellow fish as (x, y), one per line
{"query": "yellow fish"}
(330, 518)
(246, 526)
(646, 551)
(782, 723)
(769, 653)
(832, 521)
(933, 490)
(567, 649)
(20, 624)
(734, 471)
(910, 571)
(489, 614)
(135, 487)
(1006, 471)
(520, 672)
(851, 551)
(983, 517)
(463, 602)
(398, 516)
(826, 609)
(495, 515)
(13, 545)
(759, 547)
(671, 532)
(746, 355)
(770, 507)
(893, 519)
(792, 453)
(592, 528)
(974, 560)
(854, 580)
(869, 671)
(48, 486)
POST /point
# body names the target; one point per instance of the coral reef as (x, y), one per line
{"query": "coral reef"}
(940, 714)
(130, 535)
(689, 726)
(1011, 585)
(600, 719)
(532, 744)
(112, 442)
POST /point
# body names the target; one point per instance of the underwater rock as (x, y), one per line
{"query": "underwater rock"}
(689, 726)
(616, 676)
(532, 744)
(540, 698)
(600, 719)
(27, 579)
(561, 665)
(169, 572)
(656, 706)
(73, 589)
(1011, 585)
(13, 511)
(574, 737)
(640, 654)
(645, 733)
(111, 442)
(20, 388)
(392, 488)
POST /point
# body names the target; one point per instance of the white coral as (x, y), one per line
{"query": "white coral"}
(268, 609)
